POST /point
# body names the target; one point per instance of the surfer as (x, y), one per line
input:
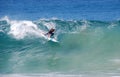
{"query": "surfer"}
(51, 32)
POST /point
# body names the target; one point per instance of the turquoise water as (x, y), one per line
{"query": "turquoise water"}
(86, 48)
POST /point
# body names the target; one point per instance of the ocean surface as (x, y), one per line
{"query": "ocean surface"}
(87, 31)
(86, 48)
(62, 9)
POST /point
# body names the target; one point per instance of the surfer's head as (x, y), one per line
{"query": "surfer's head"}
(52, 29)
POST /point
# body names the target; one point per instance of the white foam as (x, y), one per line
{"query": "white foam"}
(49, 25)
(47, 19)
(21, 29)
(5, 18)
(41, 75)
(85, 25)
(115, 61)
(115, 76)
(2, 31)
(13, 75)
(111, 26)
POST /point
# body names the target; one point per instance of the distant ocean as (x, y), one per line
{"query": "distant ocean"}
(87, 31)
(62, 9)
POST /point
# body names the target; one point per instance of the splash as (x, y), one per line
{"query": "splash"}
(21, 29)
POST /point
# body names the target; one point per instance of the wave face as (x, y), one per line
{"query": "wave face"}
(84, 46)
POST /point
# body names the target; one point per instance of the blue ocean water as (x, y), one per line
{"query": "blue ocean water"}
(87, 31)
(63, 9)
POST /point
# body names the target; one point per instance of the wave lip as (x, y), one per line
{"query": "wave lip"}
(20, 29)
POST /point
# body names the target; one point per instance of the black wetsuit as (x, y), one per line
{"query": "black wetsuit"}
(51, 32)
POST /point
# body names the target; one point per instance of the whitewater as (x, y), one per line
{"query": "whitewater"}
(86, 48)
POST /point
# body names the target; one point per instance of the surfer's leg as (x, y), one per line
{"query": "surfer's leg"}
(51, 35)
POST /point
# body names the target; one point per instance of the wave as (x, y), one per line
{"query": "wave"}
(84, 46)
(22, 28)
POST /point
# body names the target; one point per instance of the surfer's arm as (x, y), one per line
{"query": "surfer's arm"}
(46, 34)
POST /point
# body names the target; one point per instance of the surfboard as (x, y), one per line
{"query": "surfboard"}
(49, 39)
(52, 39)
